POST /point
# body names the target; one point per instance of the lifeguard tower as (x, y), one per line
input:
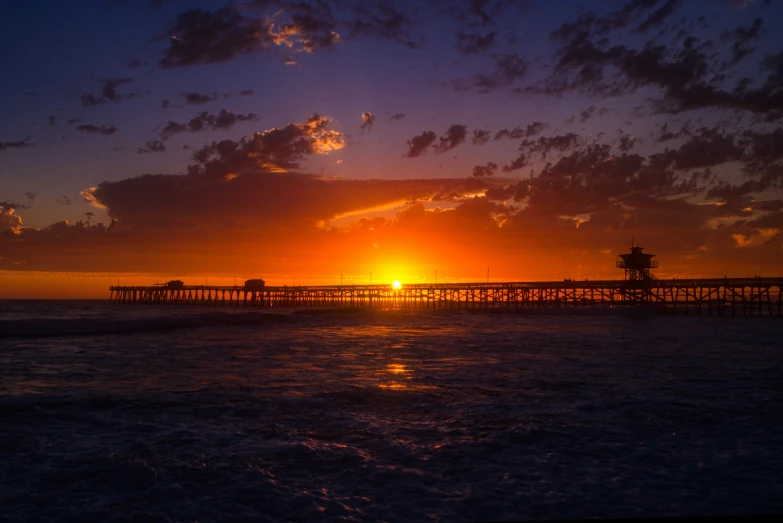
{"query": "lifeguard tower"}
(637, 265)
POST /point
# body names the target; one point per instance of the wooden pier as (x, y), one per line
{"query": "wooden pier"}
(727, 296)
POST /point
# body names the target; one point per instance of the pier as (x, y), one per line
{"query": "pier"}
(726, 296)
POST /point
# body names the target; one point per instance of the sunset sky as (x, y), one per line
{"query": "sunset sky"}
(160, 139)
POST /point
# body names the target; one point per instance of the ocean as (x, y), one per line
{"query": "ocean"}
(144, 413)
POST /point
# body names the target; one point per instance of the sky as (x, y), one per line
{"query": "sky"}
(362, 141)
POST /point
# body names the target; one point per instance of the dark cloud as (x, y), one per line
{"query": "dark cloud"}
(136, 63)
(741, 37)
(52, 121)
(591, 112)
(205, 121)
(165, 104)
(470, 43)
(689, 75)
(417, 145)
(89, 100)
(25, 142)
(481, 136)
(152, 146)
(63, 200)
(31, 196)
(626, 142)
(591, 25)
(707, 148)
(520, 162)
(105, 130)
(454, 136)
(204, 37)
(368, 119)
(659, 16)
(480, 171)
(546, 144)
(381, 20)
(274, 150)
(198, 98)
(109, 93)
(665, 134)
(508, 69)
(314, 32)
(521, 132)
(397, 116)
(247, 92)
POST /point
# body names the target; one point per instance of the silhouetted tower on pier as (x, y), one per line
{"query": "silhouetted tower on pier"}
(637, 265)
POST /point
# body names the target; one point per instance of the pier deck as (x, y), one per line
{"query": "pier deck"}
(729, 296)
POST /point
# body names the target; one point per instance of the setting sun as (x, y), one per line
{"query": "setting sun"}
(396, 285)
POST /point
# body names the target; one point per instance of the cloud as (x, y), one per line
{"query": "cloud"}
(247, 92)
(152, 146)
(454, 136)
(204, 37)
(518, 163)
(688, 73)
(198, 98)
(381, 20)
(508, 69)
(311, 32)
(741, 37)
(63, 200)
(417, 145)
(10, 222)
(521, 132)
(470, 43)
(480, 171)
(109, 93)
(481, 136)
(627, 142)
(136, 63)
(368, 119)
(105, 130)
(757, 237)
(274, 150)
(591, 112)
(397, 116)
(546, 144)
(659, 16)
(25, 142)
(205, 121)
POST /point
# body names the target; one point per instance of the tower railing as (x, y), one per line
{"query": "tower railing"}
(652, 264)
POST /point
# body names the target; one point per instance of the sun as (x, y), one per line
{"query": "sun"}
(396, 285)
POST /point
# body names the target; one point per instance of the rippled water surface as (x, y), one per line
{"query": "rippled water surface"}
(166, 414)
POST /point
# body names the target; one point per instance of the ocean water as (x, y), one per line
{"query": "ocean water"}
(129, 413)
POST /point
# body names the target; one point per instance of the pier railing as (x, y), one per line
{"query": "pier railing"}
(733, 296)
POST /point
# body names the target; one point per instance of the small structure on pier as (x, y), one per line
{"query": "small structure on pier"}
(637, 265)
(255, 285)
(173, 284)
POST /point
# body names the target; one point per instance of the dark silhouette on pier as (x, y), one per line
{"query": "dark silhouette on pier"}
(731, 296)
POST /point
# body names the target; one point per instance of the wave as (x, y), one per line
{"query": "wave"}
(35, 328)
